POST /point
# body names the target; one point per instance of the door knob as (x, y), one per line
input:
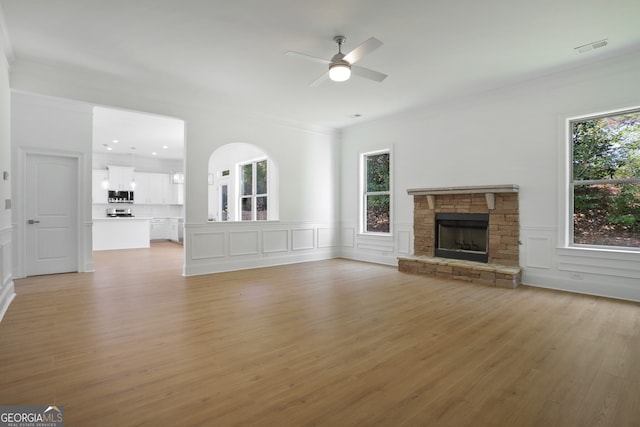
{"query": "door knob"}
(33, 221)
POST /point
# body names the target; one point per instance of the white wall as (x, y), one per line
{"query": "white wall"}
(58, 127)
(308, 160)
(511, 136)
(7, 292)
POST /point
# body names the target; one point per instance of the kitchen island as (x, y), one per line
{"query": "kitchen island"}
(121, 233)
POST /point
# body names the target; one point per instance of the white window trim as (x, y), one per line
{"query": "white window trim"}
(565, 195)
(253, 195)
(598, 261)
(362, 221)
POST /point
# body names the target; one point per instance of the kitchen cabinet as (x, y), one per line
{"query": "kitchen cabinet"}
(174, 229)
(157, 189)
(120, 233)
(141, 193)
(167, 229)
(159, 229)
(99, 193)
(120, 178)
(178, 194)
(149, 188)
(161, 193)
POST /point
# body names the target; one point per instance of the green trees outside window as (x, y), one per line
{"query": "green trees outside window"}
(377, 193)
(253, 185)
(606, 180)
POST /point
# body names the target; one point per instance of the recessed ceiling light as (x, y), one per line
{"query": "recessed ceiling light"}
(165, 147)
(154, 154)
(109, 148)
(115, 141)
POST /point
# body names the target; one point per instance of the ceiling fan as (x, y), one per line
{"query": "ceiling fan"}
(341, 65)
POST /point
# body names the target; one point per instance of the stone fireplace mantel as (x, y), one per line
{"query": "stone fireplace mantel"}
(488, 190)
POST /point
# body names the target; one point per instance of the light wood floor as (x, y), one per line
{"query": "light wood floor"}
(331, 343)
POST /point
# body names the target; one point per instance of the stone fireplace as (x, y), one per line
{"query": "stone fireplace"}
(468, 233)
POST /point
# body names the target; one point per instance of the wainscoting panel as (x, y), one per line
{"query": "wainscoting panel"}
(348, 237)
(275, 241)
(243, 243)
(612, 274)
(381, 244)
(327, 237)
(537, 247)
(207, 245)
(538, 252)
(302, 239)
(226, 246)
(381, 249)
(404, 242)
(592, 261)
(7, 291)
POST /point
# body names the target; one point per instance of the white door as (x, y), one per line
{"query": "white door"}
(52, 210)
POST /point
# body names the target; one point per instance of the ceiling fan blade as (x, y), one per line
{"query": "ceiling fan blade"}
(320, 79)
(307, 57)
(367, 73)
(361, 51)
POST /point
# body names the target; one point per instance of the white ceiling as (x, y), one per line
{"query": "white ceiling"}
(235, 50)
(127, 132)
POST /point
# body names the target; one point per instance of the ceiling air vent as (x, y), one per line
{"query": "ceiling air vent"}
(591, 46)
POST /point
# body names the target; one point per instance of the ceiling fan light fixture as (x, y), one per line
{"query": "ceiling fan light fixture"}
(339, 72)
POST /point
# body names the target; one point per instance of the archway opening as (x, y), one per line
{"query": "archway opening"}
(243, 184)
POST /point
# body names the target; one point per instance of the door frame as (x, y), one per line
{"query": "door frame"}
(84, 225)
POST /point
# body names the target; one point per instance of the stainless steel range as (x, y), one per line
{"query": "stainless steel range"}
(119, 212)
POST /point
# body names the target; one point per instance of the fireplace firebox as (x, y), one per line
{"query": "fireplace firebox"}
(462, 236)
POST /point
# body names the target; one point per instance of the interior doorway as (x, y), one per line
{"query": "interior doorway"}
(141, 154)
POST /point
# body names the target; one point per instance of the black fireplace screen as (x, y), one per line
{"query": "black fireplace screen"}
(462, 236)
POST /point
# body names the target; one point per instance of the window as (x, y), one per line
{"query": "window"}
(605, 180)
(376, 189)
(253, 191)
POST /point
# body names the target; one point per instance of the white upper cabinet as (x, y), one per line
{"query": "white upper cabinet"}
(157, 186)
(178, 194)
(157, 189)
(120, 178)
(141, 193)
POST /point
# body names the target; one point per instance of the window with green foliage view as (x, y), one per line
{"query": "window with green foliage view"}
(605, 180)
(253, 191)
(377, 193)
